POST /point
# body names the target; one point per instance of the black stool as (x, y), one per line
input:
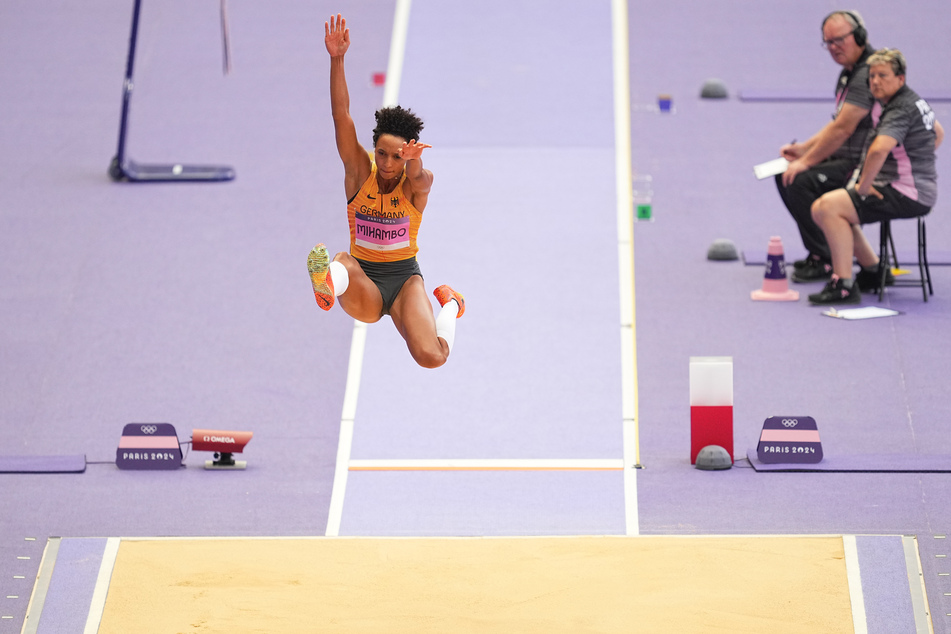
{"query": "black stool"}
(886, 241)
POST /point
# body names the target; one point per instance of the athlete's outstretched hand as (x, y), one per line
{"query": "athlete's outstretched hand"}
(412, 150)
(336, 36)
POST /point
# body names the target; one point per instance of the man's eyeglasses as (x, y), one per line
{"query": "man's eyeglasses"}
(837, 41)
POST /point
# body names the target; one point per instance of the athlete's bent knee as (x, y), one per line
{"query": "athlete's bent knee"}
(429, 359)
(347, 260)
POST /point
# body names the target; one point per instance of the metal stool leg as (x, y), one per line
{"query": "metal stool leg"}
(923, 259)
(887, 244)
(884, 239)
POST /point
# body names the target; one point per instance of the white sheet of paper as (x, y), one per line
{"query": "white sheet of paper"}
(865, 312)
(770, 168)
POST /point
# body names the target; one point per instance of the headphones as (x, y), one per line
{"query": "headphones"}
(858, 32)
(902, 66)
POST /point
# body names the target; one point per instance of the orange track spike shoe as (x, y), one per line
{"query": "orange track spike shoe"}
(318, 265)
(444, 294)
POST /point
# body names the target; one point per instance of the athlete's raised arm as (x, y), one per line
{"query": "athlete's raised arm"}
(356, 162)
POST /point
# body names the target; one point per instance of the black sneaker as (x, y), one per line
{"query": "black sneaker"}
(798, 264)
(835, 293)
(812, 271)
(868, 280)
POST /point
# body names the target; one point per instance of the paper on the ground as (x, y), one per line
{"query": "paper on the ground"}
(770, 168)
(865, 312)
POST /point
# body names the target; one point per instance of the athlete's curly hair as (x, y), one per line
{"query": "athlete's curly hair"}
(401, 122)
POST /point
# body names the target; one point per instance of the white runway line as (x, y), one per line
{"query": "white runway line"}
(502, 464)
(859, 621)
(394, 70)
(41, 587)
(625, 232)
(391, 92)
(98, 603)
(345, 441)
(916, 586)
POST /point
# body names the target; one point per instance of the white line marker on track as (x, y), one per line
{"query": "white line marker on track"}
(345, 443)
(916, 586)
(856, 595)
(625, 232)
(394, 70)
(391, 90)
(98, 603)
(478, 464)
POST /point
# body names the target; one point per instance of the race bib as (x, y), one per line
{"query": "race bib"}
(381, 234)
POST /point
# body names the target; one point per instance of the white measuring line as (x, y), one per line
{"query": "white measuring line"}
(916, 586)
(98, 603)
(859, 619)
(625, 232)
(489, 464)
(345, 442)
(394, 70)
(391, 89)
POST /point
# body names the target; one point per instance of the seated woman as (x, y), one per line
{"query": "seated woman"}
(897, 180)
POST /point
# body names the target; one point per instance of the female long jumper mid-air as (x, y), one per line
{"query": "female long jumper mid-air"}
(387, 192)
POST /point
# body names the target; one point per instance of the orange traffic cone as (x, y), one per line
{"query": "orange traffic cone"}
(775, 287)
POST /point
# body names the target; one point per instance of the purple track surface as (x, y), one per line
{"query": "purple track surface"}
(189, 304)
(42, 464)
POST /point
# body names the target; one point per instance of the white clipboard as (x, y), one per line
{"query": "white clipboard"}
(770, 168)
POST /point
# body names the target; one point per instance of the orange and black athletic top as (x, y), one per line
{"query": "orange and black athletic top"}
(383, 227)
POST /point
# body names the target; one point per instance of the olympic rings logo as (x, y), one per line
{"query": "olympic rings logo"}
(148, 429)
(790, 422)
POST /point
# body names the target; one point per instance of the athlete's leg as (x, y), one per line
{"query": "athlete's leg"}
(361, 299)
(412, 315)
(318, 265)
(453, 306)
(343, 276)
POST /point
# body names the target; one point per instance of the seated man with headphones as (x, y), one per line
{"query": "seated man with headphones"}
(827, 160)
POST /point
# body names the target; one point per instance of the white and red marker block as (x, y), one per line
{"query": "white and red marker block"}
(711, 404)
